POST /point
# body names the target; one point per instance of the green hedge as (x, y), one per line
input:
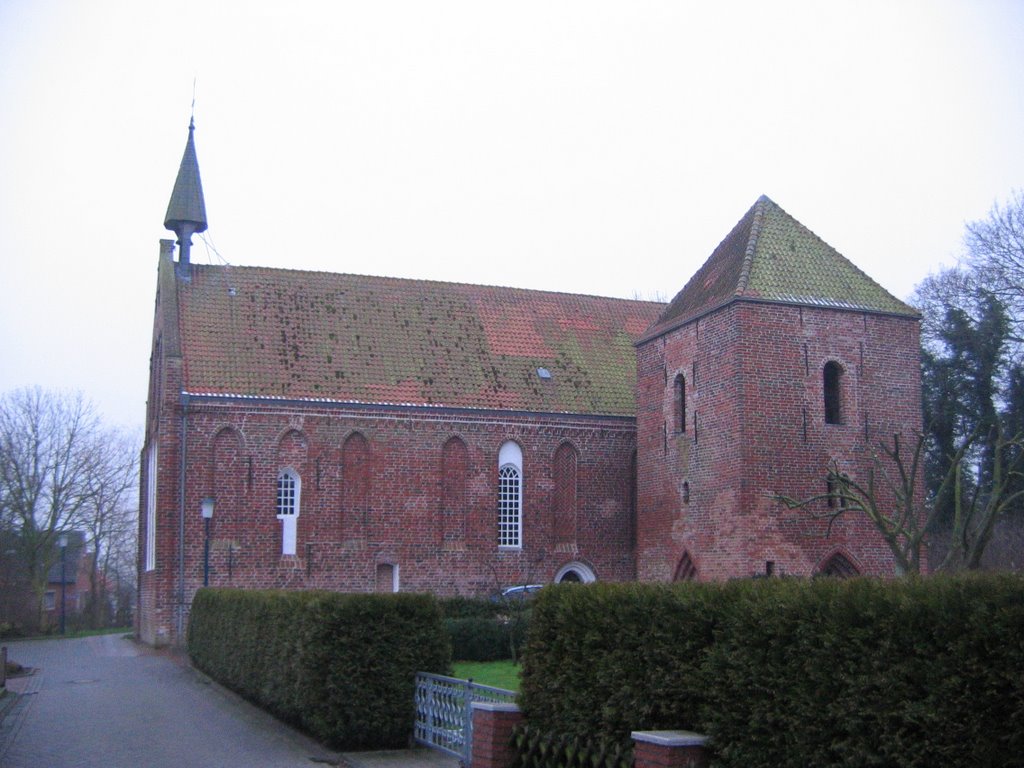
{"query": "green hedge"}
(482, 629)
(788, 673)
(470, 607)
(340, 666)
(483, 639)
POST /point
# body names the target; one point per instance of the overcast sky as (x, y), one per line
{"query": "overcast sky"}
(589, 147)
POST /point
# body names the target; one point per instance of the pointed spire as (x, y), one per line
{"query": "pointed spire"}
(186, 211)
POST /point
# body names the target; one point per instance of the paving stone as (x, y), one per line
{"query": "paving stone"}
(106, 701)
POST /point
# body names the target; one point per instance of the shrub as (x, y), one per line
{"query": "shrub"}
(482, 629)
(341, 666)
(469, 607)
(603, 658)
(865, 672)
(485, 639)
(784, 672)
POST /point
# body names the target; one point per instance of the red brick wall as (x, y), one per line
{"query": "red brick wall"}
(158, 596)
(756, 427)
(416, 488)
(382, 486)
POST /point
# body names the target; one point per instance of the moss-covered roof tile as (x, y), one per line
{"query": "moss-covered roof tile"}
(284, 333)
(770, 256)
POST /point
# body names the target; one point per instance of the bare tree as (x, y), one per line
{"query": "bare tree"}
(120, 574)
(893, 497)
(995, 252)
(108, 518)
(46, 442)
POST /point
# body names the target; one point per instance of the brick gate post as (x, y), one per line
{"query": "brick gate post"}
(492, 734)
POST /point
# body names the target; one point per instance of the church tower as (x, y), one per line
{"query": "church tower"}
(777, 357)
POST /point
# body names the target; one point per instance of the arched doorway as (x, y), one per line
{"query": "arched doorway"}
(575, 573)
(838, 566)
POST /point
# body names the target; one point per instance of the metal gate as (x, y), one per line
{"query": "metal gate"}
(444, 717)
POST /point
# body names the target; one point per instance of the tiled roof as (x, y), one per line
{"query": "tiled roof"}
(283, 333)
(770, 256)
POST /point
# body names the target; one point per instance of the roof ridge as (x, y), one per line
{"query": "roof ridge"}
(422, 280)
(755, 235)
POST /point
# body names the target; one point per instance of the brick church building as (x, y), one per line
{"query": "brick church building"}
(308, 430)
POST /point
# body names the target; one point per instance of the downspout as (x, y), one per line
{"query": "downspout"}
(183, 450)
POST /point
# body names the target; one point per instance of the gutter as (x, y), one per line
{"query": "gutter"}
(430, 409)
(182, 450)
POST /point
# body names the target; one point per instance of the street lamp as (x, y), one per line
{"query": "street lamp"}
(206, 507)
(62, 542)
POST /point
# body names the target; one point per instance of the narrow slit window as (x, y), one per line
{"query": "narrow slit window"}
(832, 381)
(679, 400)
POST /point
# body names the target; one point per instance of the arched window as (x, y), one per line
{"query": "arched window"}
(632, 499)
(454, 469)
(679, 404)
(685, 570)
(355, 486)
(832, 380)
(510, 496)
(838, 566)
(564, 498)
(151, 467)
(289, 491)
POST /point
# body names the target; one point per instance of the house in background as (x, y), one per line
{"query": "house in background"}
(356, 433)
(67, 581)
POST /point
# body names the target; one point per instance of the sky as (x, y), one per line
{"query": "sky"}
(588, 147)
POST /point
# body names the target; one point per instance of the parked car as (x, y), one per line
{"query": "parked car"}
(520, 592)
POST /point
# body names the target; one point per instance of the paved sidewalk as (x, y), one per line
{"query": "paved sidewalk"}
(111, 703)
(399, 758)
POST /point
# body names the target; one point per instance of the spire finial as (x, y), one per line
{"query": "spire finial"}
(186, 211)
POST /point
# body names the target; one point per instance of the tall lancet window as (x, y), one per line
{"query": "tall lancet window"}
(289, 489)
(151, 467)
(510, 496)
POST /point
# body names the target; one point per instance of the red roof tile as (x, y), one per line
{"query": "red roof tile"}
(284, 333)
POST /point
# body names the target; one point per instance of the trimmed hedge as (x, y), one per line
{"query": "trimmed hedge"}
(482, 639)
(470, 607)
(340, 666)
(482, 629)
(789, 673)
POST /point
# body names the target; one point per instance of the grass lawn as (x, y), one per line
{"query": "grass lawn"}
(497, 674)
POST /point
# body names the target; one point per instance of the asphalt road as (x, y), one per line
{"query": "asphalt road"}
(111, 703)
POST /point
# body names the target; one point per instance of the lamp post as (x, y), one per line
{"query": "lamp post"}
(206, 507)
(62, 542)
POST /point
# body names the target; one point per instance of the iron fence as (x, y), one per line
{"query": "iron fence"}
(444, 715)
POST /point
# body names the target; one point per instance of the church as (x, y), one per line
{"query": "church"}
(311, 430)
